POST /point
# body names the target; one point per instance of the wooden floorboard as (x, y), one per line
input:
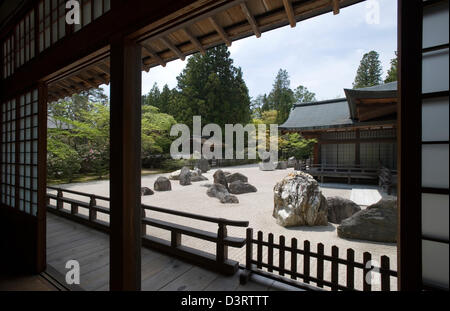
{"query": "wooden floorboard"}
(67, 240)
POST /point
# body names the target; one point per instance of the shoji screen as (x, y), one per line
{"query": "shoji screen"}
(435, 144)
(19, 153)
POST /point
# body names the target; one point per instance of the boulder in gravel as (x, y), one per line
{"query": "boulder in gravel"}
(240, 187)
(185, 176)
(377, 223)
(146, 191)
(298, 201)
(340, 209)
(162, 184)
(236, 176)
(219, 191)
(220, 178)
(203, 165)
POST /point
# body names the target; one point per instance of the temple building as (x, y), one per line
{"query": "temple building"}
(356, 131)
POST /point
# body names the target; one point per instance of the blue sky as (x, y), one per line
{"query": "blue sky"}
(322, 53)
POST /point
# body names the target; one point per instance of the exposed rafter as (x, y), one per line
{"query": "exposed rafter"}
(173, 48)
(251, 19)
(290, 12)
(154, 55)
(336, 6)
(220, 31)
(194, 41)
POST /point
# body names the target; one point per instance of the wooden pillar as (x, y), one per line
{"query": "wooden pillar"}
(41, 236)
(125, 169)
(409, 137)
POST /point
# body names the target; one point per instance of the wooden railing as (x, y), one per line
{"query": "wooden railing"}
(256, 265)
(218, 261)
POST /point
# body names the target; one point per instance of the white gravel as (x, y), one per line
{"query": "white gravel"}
(257, 209)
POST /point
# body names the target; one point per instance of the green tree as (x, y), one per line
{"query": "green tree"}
(392, 72)
(212, 87)
(303, 95)
(369, 71)
(153, 96)
(294, 145)
(155, 131)
(282, 97)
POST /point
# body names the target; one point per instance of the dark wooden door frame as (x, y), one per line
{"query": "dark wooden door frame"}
(409, 247)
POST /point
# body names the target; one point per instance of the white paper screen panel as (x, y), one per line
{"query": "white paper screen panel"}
(435, 166)
(435, 216)
(435, 119)
(435, 17)
(435, 263)
(435, 71)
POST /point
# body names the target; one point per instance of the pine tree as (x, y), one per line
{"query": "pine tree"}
(211, 87)
(392, 72)
(281, 97)
(369, 71)
(303, 95)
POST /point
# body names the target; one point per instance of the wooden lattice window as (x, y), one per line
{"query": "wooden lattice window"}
(52, 22)
(91, 10)
(8, 56)
(24, 39)
(8, 153)
(28, 153)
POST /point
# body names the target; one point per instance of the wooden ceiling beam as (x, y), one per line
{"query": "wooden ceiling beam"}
(220, 31)
(290, 12)
(173, 48)
(194, 41)
(336, 6)
(251, 19)
(154, 55)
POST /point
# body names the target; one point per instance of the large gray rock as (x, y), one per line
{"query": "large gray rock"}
(377, 223)
(162, 184)
(235, 177)
(219, 191)
(185, 176)
(240, 187)
(146, 191)
(340, 209)
(220, 178)
(203, 165)
(299, 202)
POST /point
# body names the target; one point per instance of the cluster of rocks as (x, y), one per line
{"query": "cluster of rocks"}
(187, 176)
(298, 201)
(226, 186)
(268, 165)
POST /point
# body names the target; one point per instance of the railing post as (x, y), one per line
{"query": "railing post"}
(248, 257)
(73, 209)
(222, 249)
(92, 211)
(175, 239)
(59, 202)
